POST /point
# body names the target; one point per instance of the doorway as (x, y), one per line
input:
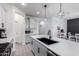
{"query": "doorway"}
(19, 28)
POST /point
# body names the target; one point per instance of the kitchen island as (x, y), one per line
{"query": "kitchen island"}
(62, 48)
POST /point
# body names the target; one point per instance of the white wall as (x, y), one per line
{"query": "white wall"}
(58, 21)
(45, 27)
(52, 25)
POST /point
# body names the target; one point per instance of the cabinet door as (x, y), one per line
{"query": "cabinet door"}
(28, 39)
(43, 50)
(34, 25)
(38, 49)
(32, 45)
(35, 48)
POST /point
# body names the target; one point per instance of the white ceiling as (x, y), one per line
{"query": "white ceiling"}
(70, 9)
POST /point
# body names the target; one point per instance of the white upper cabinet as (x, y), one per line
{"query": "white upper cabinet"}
(34, 24)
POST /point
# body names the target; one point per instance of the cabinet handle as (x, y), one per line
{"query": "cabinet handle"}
(38, 50)
(32, 42)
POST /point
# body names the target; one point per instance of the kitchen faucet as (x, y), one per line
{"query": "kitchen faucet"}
(49, 33)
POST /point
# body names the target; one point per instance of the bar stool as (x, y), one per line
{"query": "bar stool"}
(71, 37)
(77, 37)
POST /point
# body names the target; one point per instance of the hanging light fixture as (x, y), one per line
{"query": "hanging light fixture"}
(45, 17)
(61, 13)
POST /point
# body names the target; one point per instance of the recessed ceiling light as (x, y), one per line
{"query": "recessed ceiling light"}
(23, 4)
(37, 12)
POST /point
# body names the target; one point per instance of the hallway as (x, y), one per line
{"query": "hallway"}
(22, 50)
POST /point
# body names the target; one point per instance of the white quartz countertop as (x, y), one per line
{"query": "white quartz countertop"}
(63, 47)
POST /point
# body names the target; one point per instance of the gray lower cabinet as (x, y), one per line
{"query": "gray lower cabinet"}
(27, 38)
(35, 48)
(38, 49)
(42, 50)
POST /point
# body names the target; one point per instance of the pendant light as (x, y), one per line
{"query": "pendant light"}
(61, 13)
(45, 17)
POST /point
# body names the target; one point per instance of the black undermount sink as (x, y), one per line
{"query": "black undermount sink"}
(47, 41)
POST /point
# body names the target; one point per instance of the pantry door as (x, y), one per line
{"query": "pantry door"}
(19, 28)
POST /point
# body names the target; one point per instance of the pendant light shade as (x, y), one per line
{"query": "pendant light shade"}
(61, 13)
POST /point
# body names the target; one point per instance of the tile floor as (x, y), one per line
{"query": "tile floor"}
(23, 50)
